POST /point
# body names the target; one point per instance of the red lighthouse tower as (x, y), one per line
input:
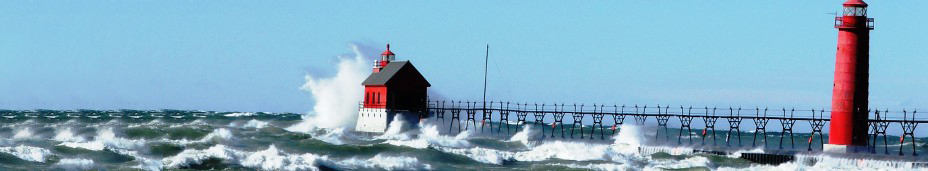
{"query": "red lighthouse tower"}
(849, 113)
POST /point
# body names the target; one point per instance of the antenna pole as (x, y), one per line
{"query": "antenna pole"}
(486, 62)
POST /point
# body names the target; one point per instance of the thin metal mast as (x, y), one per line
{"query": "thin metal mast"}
(486, 62)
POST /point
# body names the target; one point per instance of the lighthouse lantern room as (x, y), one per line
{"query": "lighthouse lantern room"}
(393, 88)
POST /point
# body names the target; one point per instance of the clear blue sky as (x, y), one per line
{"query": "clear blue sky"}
(252, 55)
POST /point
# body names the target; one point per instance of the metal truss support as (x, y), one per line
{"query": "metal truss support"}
(788, 128)
(879, 128)
(558, 120)
(710, 125)
(540, 119)
(662, 119)
(908, 129)
(640, 118)
(503, 117)
(817, 125)
(597, 120)
(618, 117)
(578, 121)
(455, 115)
(685, 122)
(471, 116)
(521, 115)
(734, 123)
(760, 125)
(487, 116)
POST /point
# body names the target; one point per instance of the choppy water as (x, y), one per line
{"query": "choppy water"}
(167, 140)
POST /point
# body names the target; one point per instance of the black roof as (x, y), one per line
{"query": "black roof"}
(393, 70)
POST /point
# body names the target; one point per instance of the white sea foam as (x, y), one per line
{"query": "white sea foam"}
(624, 147)
(148, 164)
(218, 135)
(737, 154)
(633, 135)
(240, 114)
(386, 162)
(599, 166)
(522, 136)
(75, 164)
(92, 145)
(332, 136)
(429, 136)
(28, 153)
(255, 124)
(105, 138)
(23, 134)
(273, 159)
(193, 156)
(395, 129)
(670, 164)
(269, 159)
(336, 97)
(67, 136)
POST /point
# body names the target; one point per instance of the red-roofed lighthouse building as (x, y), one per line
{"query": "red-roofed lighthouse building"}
(394, 88)
(849, 111)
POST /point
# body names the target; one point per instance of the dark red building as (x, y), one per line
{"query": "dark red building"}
(396, 85)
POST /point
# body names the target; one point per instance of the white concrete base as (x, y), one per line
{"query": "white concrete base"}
(372, 120)
(837, 148)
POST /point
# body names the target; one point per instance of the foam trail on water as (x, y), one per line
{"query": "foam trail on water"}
(336, 97)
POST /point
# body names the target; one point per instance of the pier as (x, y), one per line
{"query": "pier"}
(700, 124)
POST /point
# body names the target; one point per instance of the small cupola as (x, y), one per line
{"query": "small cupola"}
(385, 59)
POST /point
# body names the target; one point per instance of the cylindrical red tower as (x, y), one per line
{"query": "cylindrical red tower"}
(849, 115)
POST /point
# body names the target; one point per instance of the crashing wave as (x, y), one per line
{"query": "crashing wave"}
(429, 136)
(28, 153)
(386, 162)
(75, 164)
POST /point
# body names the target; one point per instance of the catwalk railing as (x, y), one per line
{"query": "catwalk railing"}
(608, 118)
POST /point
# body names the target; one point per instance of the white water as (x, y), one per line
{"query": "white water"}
(522, 136)
(75, 164)
(67, 136)
(386, 162)
(23, 134)
(429, 136)
(28, 153)
(105, 138)
(274, 159)
(336, 97)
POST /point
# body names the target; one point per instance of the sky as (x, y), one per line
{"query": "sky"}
(253, 55)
